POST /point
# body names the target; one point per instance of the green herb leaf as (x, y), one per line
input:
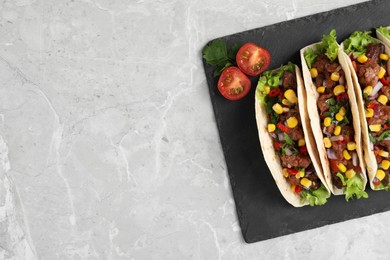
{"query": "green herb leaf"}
(331, 101)
(354, 187)
(316, 197)
(372, 139)
(383, 135)
(288, 139)
(216, 55)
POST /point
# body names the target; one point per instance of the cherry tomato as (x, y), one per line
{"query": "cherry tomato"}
(376, 181)
(252, 59)
(275, 92)
(233, 84)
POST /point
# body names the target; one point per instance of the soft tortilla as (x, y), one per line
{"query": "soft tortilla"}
(383, 38)
(312, 96)
(369, 156)
(272, 158)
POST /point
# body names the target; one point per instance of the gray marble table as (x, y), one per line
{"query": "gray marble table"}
(108, 143)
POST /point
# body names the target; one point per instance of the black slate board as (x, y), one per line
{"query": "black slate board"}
(262, 211)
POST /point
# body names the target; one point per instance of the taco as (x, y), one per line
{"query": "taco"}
(368, 59)
(285, 137)
(383, 34)
(334, 117)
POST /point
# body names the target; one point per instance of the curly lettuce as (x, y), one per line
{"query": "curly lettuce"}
(357, 42)
(354, 186)
(384, 31)
(316, 197)
(270, 79)
(328, 45)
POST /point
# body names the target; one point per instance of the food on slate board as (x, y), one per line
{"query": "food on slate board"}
(369, 63)
(286, 139)
(251, 59)
(335, 122)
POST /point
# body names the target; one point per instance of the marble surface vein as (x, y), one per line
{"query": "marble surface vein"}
(108, 143)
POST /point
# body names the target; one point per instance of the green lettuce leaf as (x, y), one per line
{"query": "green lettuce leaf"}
(328, 45)
(384, 31)
(354, 187)
(357, 42)
(271, 78)
(317, 197)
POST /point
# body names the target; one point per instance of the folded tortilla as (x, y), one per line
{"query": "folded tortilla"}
(313, 113)
(271, 156)
(369, 156)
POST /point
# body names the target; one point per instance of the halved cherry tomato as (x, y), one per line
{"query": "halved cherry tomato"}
(252, 59)
(233, 84)
(282, 127)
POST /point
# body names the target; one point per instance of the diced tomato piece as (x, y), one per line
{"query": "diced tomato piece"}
(277, 145)
(298, 189)
(275, 92)
(303, 150)
(386, 126)
(292, 171)
(342, 96)
(334, 165)
(282, 127)
(371, 105)
(385, 81)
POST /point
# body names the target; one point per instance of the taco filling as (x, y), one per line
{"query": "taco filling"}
(370, 63)
(335, 117)
(278, 93)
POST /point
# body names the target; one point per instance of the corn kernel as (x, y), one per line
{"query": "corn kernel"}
(321, 89)
(277, 108)
(271, 128)
(346, 155)
(335, 76)
(339, 89)
(339, 117)
(293, 188)
(327, 142)
(285, 172)
(290, 95)
(305, 182)
(369, 112)
(285, 109)
(342, 111)
(301, 142)
(375, 128)
(286, 102)
(300, 174)
(383, 153)
(383, 56)
(337, 130)
(313, 72)
(267, 89)
(380, 174)
(381, 72)
(292, 122)
(350, 173)
(382, 99)
(327, 121)
(362, 58)
(385, 164)
(368, 90)
(342, 167)
(351, 146)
